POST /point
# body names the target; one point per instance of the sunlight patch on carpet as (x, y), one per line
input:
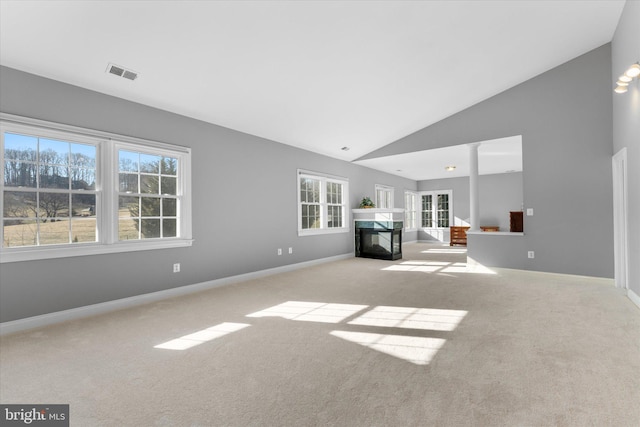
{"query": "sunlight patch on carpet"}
(411, 318)
(197, 338)
(445, 251)
(310, 311)
(439, 267)
(417, 350)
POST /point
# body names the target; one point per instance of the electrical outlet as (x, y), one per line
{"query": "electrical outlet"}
(290, 251)
(279, 251)
(531, 254)
(176, 267)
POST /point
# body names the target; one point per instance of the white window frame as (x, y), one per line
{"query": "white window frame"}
(324, 179)
(411, 210)
(107, 145)
(434, 209)
(387, 192)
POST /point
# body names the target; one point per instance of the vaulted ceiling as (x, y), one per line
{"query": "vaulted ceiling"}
(319, 75)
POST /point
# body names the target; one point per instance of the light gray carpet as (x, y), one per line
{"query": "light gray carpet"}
(360, 342)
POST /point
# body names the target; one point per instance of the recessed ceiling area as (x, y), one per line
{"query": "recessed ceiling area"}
(318, 75)
(503, 155)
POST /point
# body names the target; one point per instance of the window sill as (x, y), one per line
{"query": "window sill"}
(31, 254)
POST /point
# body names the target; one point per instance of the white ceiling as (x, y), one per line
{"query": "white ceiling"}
(319, 75)
(502, 155)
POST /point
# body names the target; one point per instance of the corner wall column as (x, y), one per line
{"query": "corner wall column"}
(474, 196)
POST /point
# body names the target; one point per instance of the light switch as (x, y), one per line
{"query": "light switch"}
(529, 211)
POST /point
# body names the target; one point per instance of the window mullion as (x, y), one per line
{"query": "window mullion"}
(109, 186)
(325, 200)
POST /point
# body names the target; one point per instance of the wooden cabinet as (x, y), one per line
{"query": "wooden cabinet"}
(516, 221)
(458, 235)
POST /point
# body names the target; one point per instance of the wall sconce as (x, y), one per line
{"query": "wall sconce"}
(624, 80)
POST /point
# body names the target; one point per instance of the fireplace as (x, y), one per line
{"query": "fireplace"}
(378, 233)
(380, 244)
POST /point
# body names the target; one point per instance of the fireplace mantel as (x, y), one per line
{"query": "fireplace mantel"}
(378, 214)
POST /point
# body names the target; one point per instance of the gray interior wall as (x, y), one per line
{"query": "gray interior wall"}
(493, 250)
(626, 127)
(244, 204)
(499, 195)
(565, 118)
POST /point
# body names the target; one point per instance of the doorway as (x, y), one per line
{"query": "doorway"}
(620, 223)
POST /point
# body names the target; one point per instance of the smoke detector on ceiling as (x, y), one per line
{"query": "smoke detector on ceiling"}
(121, 72)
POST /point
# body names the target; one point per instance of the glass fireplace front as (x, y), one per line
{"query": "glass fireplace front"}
(379, 243)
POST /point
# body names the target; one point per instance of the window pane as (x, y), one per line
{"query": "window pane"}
(169, 166)
(150, 228)
(19, 204)
(304, 190)
(443, 201)
(128, 183)
(20, 233)
(335, 217)
(128, 229)
(383, 198)
(20, 147)
(310, 216)
(169, 207)
(83, 155)
(427, 213)
(168, 185)
(443, 210)
(83, 230)
(54, 231)
(128, 206)
(83, 179)
(314, 216)
(309, 190)
(128, 222)
(426, 202)
(83, 205)
(334, 193)
(20, 174)
(53, 205)
(54, 152)
(315, 192)
(149, 206)
(54, 176)
(149, 184)
(128, 161)
(149, 163)
(169, 227)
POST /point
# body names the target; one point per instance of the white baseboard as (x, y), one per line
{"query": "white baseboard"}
(119, 304)
(633, 297)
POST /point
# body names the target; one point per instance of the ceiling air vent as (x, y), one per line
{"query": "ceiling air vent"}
(122, 72)
(130, 75)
